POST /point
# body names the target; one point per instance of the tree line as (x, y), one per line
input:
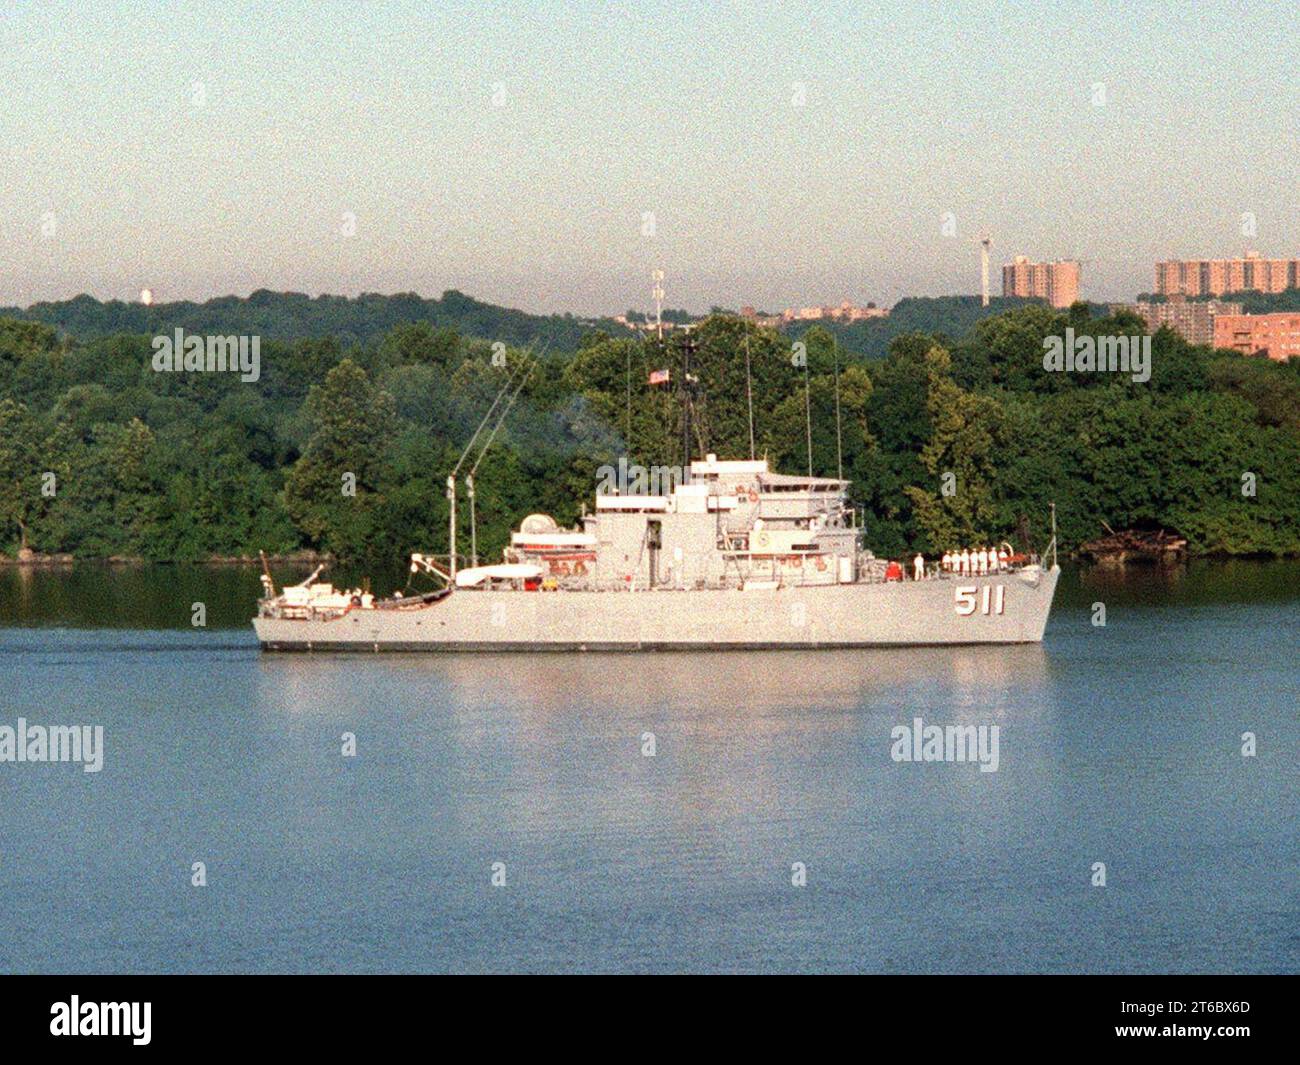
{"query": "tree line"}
(291, 315)
(343, 447)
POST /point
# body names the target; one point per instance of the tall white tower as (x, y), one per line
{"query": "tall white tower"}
(986, 242)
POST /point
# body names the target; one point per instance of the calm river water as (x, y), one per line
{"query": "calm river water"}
(1119, 745)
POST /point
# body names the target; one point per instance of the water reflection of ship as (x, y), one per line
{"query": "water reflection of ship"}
(756, 680)
(561, 739)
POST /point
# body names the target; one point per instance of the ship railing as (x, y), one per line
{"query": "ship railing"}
(286, 612)
(936, 572)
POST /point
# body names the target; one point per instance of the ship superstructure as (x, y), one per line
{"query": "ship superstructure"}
(732, 556)
(730, 525)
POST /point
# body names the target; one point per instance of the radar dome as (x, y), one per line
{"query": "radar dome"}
(535, 524)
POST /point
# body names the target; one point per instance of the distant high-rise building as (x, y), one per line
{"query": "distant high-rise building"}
(1056, 282)
(1193, 320)
(1274, 335)
(1214, 277)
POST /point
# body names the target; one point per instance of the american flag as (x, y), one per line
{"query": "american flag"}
(658, 377)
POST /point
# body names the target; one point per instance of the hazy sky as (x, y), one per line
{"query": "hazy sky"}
(789, 153)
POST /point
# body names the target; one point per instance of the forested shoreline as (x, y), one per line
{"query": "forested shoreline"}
(103, 457)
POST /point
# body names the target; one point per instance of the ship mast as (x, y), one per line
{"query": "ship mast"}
(688, 348)
(749, 398)
(807, 410)
(473, 519)
(839, 432)
(451, 521)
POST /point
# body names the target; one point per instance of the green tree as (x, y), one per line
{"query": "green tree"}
(20, 470)
(962, 451)
(335, 490)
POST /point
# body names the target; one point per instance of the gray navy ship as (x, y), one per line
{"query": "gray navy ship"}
(734, 557)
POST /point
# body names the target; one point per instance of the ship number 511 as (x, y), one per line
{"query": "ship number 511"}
(990, 599)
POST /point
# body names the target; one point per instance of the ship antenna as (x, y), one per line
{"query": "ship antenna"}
(627, 427)
(807, 408)
(473, 520)
(451, 525)
(749, 396)
(839, 434)
(688, 346)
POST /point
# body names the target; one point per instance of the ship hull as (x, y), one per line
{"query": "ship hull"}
(956, 611)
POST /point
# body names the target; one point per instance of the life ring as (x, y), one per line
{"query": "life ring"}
(753, 496)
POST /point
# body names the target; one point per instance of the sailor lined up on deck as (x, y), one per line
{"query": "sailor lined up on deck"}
(982, 560)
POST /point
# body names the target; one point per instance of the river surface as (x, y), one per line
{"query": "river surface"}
(1119, 744)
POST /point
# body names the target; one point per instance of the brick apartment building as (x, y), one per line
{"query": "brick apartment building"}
(1214, 277)
(1274, 335)
(1056, 282)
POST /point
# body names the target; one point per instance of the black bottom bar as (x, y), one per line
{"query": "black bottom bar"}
(341, 1013)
